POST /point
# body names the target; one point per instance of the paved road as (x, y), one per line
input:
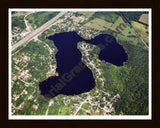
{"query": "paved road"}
(35, 32)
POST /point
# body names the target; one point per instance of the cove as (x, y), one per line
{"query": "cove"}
(74, 77)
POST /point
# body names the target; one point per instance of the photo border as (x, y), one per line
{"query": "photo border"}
(154, 4)
(86, 117)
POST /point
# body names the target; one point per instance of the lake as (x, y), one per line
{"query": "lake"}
(74, 77)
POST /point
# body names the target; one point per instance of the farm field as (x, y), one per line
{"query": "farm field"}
(141, 29)
(87, 14)
(144, 18)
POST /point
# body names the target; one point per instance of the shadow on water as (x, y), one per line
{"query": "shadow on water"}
(74, 76)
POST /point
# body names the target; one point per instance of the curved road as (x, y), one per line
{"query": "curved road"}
(35, 32)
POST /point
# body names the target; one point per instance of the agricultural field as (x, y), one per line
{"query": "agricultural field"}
(131, 16)
(142, 30)
(127, 31)
(99, 24)
(144, 18)
(87, 14)
(110, 17)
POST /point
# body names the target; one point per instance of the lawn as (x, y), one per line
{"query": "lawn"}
(85, 106)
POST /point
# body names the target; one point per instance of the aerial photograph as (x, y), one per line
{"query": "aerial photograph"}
(73, 63)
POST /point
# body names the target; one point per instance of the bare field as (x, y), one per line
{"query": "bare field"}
(144, 18)
(21, 13)
(87, 24)
(76, 19)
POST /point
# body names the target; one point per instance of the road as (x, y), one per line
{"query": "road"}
(35, 32)
(134, 31)
(27, 27)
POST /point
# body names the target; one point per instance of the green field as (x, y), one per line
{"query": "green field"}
(107, 16)
(87, 14)
(126, 30)
(128, 17)
(142, 30)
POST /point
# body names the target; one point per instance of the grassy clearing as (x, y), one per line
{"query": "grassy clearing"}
(127, 31)
(101, 22)
(107, 16)
(95, 26)
(85, 106)
(141, 29)
(110, 17)
(98, 24)
(59, 110)
(87, 14)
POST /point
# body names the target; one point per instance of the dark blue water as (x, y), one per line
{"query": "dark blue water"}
(74, 76)
(111, 51)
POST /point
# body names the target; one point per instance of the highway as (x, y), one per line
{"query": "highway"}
(35, 32)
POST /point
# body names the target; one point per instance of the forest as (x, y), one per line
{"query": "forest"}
(18, 21)
(130, 81)
(130, 16)
(40, 18)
